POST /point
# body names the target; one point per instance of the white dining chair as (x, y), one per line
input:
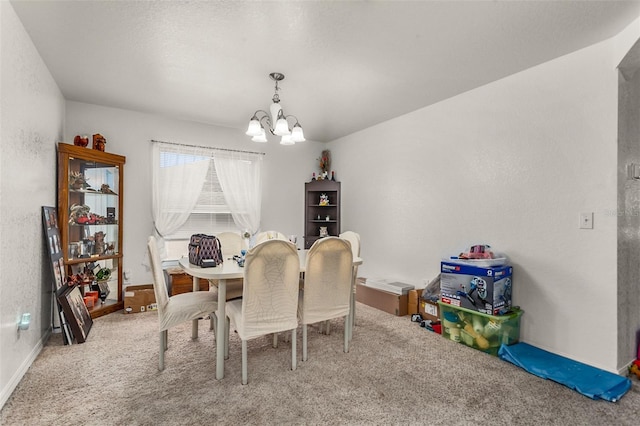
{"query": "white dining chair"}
(270, 235)
(269, 299)
(354, 240)
(232, 244)
(174, 310)
(327, 286)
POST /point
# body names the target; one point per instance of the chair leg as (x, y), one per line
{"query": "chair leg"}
(244, 363)
(352, 315)
(194, 329)
(161, 351)
(328, 332)
(275, 340)
(294, 351)
(346, 334)
(226, 339)
(166, 340)
(213, 320)
(304, 342)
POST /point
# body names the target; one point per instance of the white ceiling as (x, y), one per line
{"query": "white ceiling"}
(348, 65)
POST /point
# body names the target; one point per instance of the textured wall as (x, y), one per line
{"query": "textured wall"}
(31, 122)
(511, 164)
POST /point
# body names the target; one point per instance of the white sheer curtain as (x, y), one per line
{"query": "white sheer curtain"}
(178, 175)
(239, 176)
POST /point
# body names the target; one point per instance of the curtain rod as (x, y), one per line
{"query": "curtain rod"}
(209, 147)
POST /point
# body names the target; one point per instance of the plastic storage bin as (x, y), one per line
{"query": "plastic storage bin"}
(480, 331)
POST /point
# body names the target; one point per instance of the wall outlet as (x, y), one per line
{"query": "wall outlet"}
(586, 220)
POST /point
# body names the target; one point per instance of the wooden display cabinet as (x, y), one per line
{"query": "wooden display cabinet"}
(317, 215)
(90, 211)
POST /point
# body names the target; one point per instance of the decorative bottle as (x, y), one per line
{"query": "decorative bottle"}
(333, 176)
(313, 177)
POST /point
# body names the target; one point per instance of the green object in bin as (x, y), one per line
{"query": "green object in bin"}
(494, 329)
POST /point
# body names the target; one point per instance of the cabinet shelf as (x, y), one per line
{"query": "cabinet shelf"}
(79, 225)
(80, 191)
(79, 260)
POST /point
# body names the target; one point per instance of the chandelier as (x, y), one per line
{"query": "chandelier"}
(276, 122)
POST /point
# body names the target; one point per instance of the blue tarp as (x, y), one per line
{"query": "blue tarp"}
(589, 381)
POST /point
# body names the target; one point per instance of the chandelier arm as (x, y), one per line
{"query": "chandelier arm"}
(294, 117)
(269, 126)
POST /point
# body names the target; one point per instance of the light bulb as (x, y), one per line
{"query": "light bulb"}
(254, 129)
(296, 134)
(287, 140)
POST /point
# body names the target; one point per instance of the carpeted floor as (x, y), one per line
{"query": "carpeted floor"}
(394, 373)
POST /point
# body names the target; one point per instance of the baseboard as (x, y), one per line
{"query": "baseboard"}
(19, 374)
(624, 371)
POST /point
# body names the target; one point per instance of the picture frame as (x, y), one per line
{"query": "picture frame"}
(57, 265)
(76, 313)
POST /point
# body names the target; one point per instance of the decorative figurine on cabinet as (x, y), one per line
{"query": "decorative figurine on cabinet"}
(82, 141)
(99, 142)
(324, 200)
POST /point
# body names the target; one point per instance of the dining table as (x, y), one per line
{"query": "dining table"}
(229, 269)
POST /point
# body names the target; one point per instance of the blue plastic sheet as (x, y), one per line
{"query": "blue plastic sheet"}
(589, 381)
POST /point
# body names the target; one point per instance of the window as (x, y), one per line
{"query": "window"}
(203, 190)
(211, 213)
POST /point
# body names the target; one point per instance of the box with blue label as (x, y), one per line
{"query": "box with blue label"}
(483, 289)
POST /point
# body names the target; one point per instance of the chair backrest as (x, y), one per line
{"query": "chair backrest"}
(270, 292)
(270, 235)
(354, 240)
(232, 243)
(159, 284)
(327, 280)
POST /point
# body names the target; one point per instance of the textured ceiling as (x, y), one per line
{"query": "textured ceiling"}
(348, 65)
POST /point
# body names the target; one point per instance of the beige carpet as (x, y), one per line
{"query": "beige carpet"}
(395, 373)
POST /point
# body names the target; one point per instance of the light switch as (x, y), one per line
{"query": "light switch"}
(586, 220)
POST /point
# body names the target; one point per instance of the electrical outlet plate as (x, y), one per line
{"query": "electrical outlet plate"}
(586, 220)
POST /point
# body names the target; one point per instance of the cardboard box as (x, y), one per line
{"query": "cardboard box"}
(412, 304)
(480, 331)
(389, 286)
(428, 310)
(395, 304)
(139, 298)
(486, 290)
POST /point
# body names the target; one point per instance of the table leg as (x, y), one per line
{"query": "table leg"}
(221, 329)
(352, 305)
(194, 325)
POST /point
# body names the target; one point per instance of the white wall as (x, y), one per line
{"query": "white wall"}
(31, 122)
(128, 133)
(511, 164)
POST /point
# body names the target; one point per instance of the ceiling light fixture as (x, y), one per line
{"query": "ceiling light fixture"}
(276, 122)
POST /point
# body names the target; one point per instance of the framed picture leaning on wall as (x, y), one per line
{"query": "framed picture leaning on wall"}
(76, 313)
